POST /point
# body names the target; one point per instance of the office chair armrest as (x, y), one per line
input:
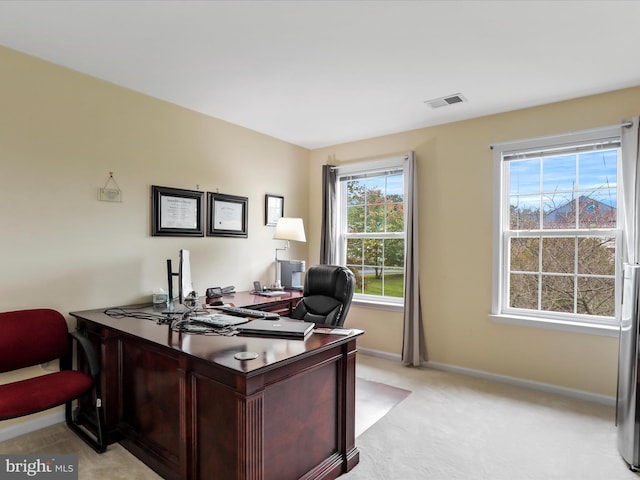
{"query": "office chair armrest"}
(90, 353)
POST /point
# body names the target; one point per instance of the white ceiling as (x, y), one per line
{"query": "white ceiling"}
(318, 73)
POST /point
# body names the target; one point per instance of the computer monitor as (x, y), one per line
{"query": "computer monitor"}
(185, 284)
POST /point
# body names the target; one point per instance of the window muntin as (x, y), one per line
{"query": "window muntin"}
(560, 233)
(372, 231)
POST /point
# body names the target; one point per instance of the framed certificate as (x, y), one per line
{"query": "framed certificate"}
(227, 215)
(176, 212)
(273, 209)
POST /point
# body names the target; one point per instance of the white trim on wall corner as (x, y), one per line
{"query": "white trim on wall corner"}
(31, 426)
(494, 377)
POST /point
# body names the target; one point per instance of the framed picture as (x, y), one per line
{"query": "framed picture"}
(273, 209)
(176, 212)
(227, 215)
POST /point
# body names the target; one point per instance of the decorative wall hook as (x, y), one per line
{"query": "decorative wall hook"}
(110, 193)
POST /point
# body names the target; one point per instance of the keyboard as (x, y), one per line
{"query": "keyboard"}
(218, 320)
(248, 312)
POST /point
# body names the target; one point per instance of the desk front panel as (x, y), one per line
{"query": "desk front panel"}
(150, 409)
(302, 438)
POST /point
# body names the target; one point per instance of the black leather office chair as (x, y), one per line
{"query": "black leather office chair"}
(328, 291)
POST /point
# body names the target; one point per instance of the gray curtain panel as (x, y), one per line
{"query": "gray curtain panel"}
(329, 205)
(413, 345)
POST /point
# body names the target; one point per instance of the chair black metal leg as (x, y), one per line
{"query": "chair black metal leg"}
(98, 443)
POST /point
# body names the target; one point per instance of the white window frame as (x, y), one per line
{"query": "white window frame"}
(372, 166)
(605, 326)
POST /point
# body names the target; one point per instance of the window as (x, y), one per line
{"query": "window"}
(372, 228)
(557, 235)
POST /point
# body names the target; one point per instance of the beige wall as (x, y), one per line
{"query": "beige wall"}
(455, 214)
(61, 133)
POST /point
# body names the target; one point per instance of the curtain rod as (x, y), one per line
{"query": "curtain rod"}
(626, 124)
(373, 163)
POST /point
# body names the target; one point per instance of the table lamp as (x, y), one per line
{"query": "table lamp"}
(288, 229)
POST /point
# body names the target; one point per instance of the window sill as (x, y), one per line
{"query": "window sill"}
(547, 323)
(390, 307)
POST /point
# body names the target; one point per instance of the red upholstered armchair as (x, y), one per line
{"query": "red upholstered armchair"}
(33, 337)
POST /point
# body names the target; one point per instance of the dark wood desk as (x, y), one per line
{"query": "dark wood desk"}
(189, 410)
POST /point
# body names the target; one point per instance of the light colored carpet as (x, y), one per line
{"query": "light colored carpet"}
(450, 427)
(115, 464)
(454, 427)
(373, 401)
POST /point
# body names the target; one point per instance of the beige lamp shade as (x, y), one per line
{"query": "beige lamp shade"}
(290, 229)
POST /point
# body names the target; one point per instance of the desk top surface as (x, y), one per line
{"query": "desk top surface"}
(250, 299)
(219, 349)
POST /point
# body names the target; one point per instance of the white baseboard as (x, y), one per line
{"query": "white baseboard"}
(31, 426)
(494, 377)
(380, 354)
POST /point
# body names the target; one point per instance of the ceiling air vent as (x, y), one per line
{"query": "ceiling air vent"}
(444, 101)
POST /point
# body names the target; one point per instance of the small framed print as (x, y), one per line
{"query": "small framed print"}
(176, 212)
(227, 215)
(273, 209)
